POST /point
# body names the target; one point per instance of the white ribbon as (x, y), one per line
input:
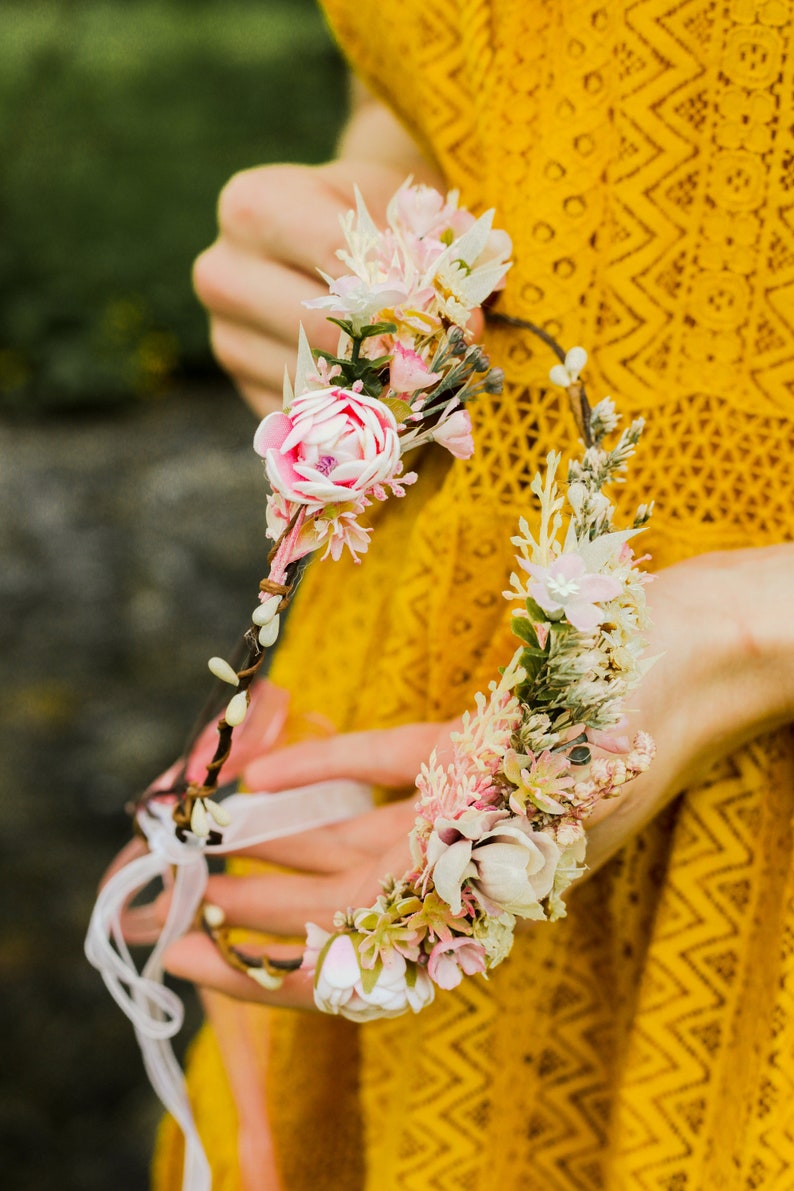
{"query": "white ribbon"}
(155, 1011)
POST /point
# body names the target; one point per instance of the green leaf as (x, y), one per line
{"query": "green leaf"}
(524, 630)
(400, 409)
(535, 612)
(532, 662)
(411, 972)
(322, 955)
(376, 329)
(345, 325)
(369, 976)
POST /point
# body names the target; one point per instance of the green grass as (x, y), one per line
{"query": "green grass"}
(119, 123)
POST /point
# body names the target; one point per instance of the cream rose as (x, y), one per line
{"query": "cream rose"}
(498, 855)
(330, 447)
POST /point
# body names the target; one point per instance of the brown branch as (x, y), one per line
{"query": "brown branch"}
(577, 398)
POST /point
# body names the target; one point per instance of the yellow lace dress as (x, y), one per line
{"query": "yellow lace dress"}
(641, 157)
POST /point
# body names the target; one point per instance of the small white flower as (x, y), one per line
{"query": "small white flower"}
(496, 935)
(237, 709)
(222, 670)
(213, 916)
(268, 980)
(266, 611)
(218, 813)
(567, 374)
(269, 632)
(199, 823)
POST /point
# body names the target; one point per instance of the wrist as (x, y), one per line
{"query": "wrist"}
(767, 581)
(375, 137)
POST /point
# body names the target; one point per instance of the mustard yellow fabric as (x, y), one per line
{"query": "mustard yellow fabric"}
(641, 156)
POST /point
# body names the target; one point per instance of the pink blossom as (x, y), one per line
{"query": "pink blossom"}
(425, 212)
(454, 433)
(358, 300)
(409, 372)
(450, 961)
(541, 780)
(566, 586)
(331, 446)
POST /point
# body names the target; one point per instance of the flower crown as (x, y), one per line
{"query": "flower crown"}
(500, 830)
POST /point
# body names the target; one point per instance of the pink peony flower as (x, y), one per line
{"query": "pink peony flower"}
(566, 587)
(331, 446)
(449, 962)
(338, 981)
(454, 433)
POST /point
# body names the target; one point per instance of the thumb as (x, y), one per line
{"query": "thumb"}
(388, 757)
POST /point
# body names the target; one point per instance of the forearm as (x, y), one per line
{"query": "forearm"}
(373, 134)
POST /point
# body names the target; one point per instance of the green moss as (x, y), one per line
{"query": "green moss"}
(119, 123)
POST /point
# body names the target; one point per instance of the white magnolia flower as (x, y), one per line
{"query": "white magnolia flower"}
(567, 374)
(502, 859)
(339, 987)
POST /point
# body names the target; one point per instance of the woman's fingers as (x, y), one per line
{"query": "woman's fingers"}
(287, 213)
(282, 903)
(278, 225)
(336, 867)
(340, 846)
(388, 757)
(263, 295)
(196, 958)
(277, 904)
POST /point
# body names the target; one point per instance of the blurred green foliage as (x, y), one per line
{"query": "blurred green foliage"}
(119, 123)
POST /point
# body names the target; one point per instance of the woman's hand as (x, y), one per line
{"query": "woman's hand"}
(335, 867)
(278, 225)
(723, 634)
(725, 674)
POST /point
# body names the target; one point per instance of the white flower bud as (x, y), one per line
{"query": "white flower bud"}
(218, 813)
(199, 824)
(266, 610)
(269, 632)
(213, 916)
(221, 669)
(268, 980)
(237, 708)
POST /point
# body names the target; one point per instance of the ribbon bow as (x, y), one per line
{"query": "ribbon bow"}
(155, 1011)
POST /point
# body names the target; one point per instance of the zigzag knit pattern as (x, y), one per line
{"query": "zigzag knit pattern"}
(640, 155)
